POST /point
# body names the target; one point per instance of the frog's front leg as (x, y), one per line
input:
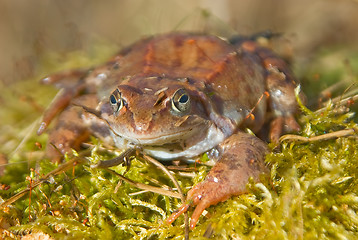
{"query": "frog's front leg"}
(241, 157)
(71, 87)
(68, 132)
(74, 125)
(283, 103)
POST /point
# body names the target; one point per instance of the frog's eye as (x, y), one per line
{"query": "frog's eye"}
(116, 101)
(181, 101)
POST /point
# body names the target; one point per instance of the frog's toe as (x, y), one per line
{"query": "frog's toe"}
(281, 125)
(203, 203)
(291, 124)
(183, 208)
(202, 196)
(205, 194)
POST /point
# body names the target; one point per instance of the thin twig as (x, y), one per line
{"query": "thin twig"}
(327, 136)
(349, 96)
(145, 186)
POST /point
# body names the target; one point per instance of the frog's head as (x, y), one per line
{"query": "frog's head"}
(156, 111)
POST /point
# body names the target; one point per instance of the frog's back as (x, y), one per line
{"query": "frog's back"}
(179, 55)
(234, 80)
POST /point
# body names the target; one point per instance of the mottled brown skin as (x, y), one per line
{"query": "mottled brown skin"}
(177, 96)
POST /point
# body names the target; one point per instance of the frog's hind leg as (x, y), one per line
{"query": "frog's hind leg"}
(281, 85)
(241, 157)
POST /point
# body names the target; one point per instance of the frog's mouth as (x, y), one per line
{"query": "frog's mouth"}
(183, 137)
(184, 144)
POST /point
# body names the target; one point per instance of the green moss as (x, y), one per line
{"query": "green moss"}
(310, 194)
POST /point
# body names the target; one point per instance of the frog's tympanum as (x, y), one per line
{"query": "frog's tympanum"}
(176, 96)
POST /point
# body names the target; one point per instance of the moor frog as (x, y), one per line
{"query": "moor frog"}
(177, 96)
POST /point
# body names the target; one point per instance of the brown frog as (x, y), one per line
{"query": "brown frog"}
(177, 96)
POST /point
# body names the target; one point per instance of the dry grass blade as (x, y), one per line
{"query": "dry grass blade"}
(337, 134)
(340, 102)
(145, 186)
(166, 171)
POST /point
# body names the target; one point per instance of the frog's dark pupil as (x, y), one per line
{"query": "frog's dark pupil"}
(184, 98)
(113, 100)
